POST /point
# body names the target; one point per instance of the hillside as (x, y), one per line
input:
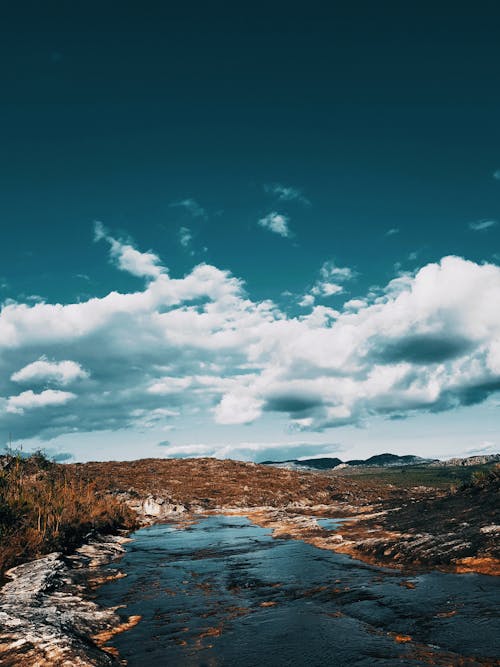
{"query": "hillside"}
(463, 527)
(209, 483)
(46, 506)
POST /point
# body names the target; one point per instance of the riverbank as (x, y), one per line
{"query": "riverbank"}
(406, 525)
(50, 620)
(47, 613)
(223, 591)
(365, 537)
(47, 616)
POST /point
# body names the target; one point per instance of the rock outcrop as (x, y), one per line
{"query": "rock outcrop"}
(484, 459)
(161, 508)
(45, 618)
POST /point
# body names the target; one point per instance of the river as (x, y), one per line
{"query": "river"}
(224, 592)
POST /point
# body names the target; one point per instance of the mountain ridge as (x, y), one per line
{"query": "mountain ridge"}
(385, 460)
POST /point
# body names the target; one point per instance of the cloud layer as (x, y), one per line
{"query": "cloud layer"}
(427, 341)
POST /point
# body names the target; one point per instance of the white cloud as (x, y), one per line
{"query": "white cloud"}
(325, 285)
(482, 225)
(329, 270)
(238, 407)
(185, 236)
(307, 300)
(42, 370)
(392, 231)
(355, 304)
(496, 175)
(127, 258)
(324, 288)
(427, 341)
(247, 451)
(286, 193)
(191, 206)
(28, 400)
(431, 342)
(169, 385)
(276, 222)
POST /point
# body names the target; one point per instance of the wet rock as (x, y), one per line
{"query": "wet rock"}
(490, 529)
(45, 618)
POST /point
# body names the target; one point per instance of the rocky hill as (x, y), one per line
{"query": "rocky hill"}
(328, 463)
(384, 461)
(207, 483)
(485, 459)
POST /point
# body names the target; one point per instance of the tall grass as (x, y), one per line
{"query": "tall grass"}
(45, 507)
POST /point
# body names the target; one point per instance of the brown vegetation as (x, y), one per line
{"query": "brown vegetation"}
(459, 529)
(212, 483)
(44, 507)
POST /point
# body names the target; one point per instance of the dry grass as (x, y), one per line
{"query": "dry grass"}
(212, 482)
(46, 507)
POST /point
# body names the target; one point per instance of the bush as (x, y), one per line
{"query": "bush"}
(46, 507)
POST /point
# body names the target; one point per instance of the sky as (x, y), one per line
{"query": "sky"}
(259, 231)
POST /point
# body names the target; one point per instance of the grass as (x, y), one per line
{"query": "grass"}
(445, 477)
(46, 507)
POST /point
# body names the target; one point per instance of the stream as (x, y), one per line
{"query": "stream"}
(224, 592)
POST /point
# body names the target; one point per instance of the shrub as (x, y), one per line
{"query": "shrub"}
(46, 507)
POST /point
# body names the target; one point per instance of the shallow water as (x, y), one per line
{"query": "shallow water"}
(224, 592)
(330, 524)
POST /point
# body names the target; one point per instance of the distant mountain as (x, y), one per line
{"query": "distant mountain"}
(327, 463)
(318, 464)
(386, 460)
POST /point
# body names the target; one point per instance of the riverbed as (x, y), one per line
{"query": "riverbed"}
(222, 591)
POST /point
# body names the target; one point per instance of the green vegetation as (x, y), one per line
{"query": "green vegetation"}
(445, 477)
(45, 507)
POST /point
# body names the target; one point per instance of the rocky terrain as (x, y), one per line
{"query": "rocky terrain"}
(460, 529)
(457, 531)
(47, 618)
(402, 526)
(47, 615)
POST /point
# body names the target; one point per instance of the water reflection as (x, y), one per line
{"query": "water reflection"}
(223, 592)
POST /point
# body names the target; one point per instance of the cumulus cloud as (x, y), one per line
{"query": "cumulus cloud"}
(307, 300)
(197, 344)
(28, 400)
(392, 231)
(42, 370)
(286, 193)
(127, 258)
(482, 225)
(276, 222)
(191, 206)
(328, 283)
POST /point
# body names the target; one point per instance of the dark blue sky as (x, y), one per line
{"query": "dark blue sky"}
(384, 116)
